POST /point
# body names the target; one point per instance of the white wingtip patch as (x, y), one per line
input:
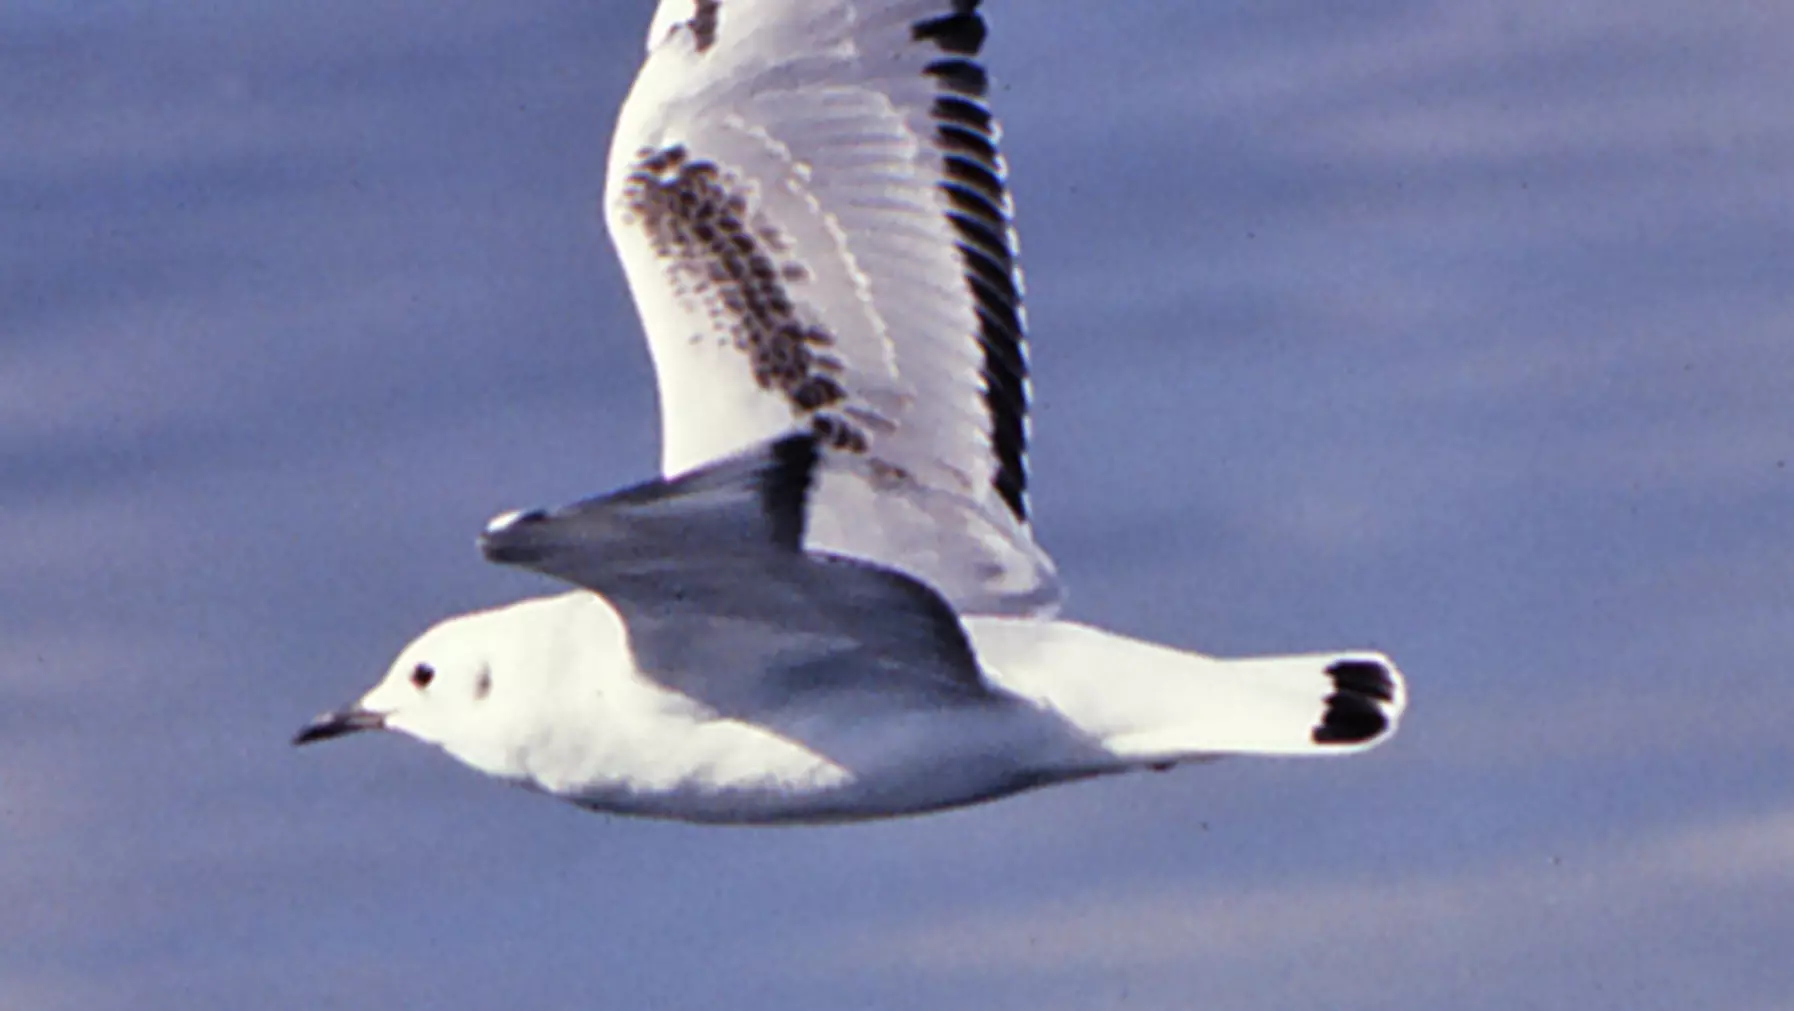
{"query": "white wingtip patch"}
(499, 524)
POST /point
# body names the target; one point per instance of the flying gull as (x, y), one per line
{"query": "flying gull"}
(832, 606)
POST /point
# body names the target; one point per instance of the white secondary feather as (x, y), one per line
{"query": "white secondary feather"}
(809, 204)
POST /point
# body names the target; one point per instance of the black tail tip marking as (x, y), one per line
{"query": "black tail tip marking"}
(1355, 711)
(1366, 677)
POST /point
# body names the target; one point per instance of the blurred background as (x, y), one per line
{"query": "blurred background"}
(1463, 331)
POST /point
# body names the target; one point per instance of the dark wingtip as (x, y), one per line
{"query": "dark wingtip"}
(1355, 711)
(785, 487)
(506, 539)
(978, 209)
(961, 32)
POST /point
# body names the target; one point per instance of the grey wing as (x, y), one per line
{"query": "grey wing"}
(721, 601)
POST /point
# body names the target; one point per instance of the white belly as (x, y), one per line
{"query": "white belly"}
(839, 764)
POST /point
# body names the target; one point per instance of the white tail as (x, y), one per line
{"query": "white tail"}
(1149, 704)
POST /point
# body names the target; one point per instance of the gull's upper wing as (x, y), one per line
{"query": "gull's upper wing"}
(723, 605)
(809, 204)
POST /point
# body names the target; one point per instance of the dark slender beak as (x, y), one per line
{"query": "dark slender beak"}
(343, 721)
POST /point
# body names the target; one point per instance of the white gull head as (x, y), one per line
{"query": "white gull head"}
(474, 686)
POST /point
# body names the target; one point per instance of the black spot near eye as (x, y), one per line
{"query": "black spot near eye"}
(483, 687)
(422, 675)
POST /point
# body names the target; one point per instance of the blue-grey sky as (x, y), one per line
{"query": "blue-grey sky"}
(1463, 331)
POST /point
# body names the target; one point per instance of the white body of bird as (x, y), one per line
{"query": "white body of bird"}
(565, 711)
(832, 606)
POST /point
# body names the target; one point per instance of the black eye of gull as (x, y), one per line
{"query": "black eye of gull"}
(422, 675)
